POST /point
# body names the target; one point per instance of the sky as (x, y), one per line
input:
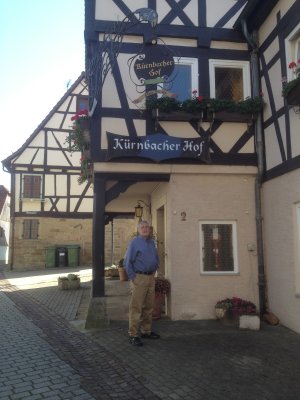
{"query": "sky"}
(42, 51)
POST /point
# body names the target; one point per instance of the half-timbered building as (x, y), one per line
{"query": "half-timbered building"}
(273, 31)
(52, 206)
(197, 171)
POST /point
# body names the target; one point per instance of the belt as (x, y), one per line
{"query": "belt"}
(144, 273)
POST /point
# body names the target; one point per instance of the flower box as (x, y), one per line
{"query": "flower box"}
(224, 116)
(293, 96)
(227, 116)
(176, 115)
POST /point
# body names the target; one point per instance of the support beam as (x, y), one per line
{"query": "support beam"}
(98, 285)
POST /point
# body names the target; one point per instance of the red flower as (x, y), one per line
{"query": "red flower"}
(200, 98)
(194, 91)
(292, 65)
(80, 113)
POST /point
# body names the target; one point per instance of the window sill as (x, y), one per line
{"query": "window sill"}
(218, 273)
(31, 199)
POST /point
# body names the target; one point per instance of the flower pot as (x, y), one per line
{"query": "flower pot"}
(122, 274)
(84, 124)
(220, 312)
(68, 284)
(158, 304)
(251, 322)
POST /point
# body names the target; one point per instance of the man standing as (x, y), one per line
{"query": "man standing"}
(141, 262)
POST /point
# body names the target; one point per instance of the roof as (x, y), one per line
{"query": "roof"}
(255, 13)
(6, 162)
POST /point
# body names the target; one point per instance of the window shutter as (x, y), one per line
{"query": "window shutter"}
(36, 186)
(27, 186)
(32, 186)
(26, 229)
(34, 228)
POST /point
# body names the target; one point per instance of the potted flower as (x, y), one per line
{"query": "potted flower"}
(229, 310)
(291, 89)
(162, 285)
(162, 288)
(199, 107)
(122, 272)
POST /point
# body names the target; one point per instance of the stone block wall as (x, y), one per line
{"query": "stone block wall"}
(30, 254)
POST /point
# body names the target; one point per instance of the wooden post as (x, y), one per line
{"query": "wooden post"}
(98, 285)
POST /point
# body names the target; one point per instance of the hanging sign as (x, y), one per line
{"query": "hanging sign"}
(153, 65)
(157, 147)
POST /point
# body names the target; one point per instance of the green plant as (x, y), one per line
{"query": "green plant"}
(237, 306)
(288, 86)
(162, 285)
(78, 141)
(210, 105)
(164, 103)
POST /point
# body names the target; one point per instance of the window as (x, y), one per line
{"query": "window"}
(184, 78)
(292, 48)
(229, 80)
(82, 103)
(32, 186)
(30, 229)
(218, 247)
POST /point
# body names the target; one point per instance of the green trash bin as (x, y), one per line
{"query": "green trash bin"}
(50, 254)
(73, 255)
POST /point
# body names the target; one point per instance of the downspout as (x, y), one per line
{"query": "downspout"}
(260, 164)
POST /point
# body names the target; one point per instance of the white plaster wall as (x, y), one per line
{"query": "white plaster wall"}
(205, 197)
(282, 247)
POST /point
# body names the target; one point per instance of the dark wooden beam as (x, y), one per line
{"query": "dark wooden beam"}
(98, 284)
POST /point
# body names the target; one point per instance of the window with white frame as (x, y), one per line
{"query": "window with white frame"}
(218, 247)
(229, 80)
(184, 78)
(292, 49)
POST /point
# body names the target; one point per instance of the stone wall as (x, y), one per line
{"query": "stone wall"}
(28, 254)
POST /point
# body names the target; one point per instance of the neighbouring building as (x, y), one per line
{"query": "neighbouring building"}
(4, 224)
(51, 211)
(277, 28)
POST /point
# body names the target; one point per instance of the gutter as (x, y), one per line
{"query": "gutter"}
(254, 60)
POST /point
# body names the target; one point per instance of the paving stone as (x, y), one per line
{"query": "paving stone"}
(194, 360)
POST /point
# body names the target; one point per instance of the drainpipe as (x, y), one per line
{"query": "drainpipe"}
(252, 41)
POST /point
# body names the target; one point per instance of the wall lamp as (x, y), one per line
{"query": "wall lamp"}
(138, 209)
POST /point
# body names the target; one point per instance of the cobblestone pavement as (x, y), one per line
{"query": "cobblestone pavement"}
(43, 356)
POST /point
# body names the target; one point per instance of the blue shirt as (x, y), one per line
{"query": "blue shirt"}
(141, 255)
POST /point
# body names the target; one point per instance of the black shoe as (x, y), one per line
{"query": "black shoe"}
(151, 335)
(135, 341)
